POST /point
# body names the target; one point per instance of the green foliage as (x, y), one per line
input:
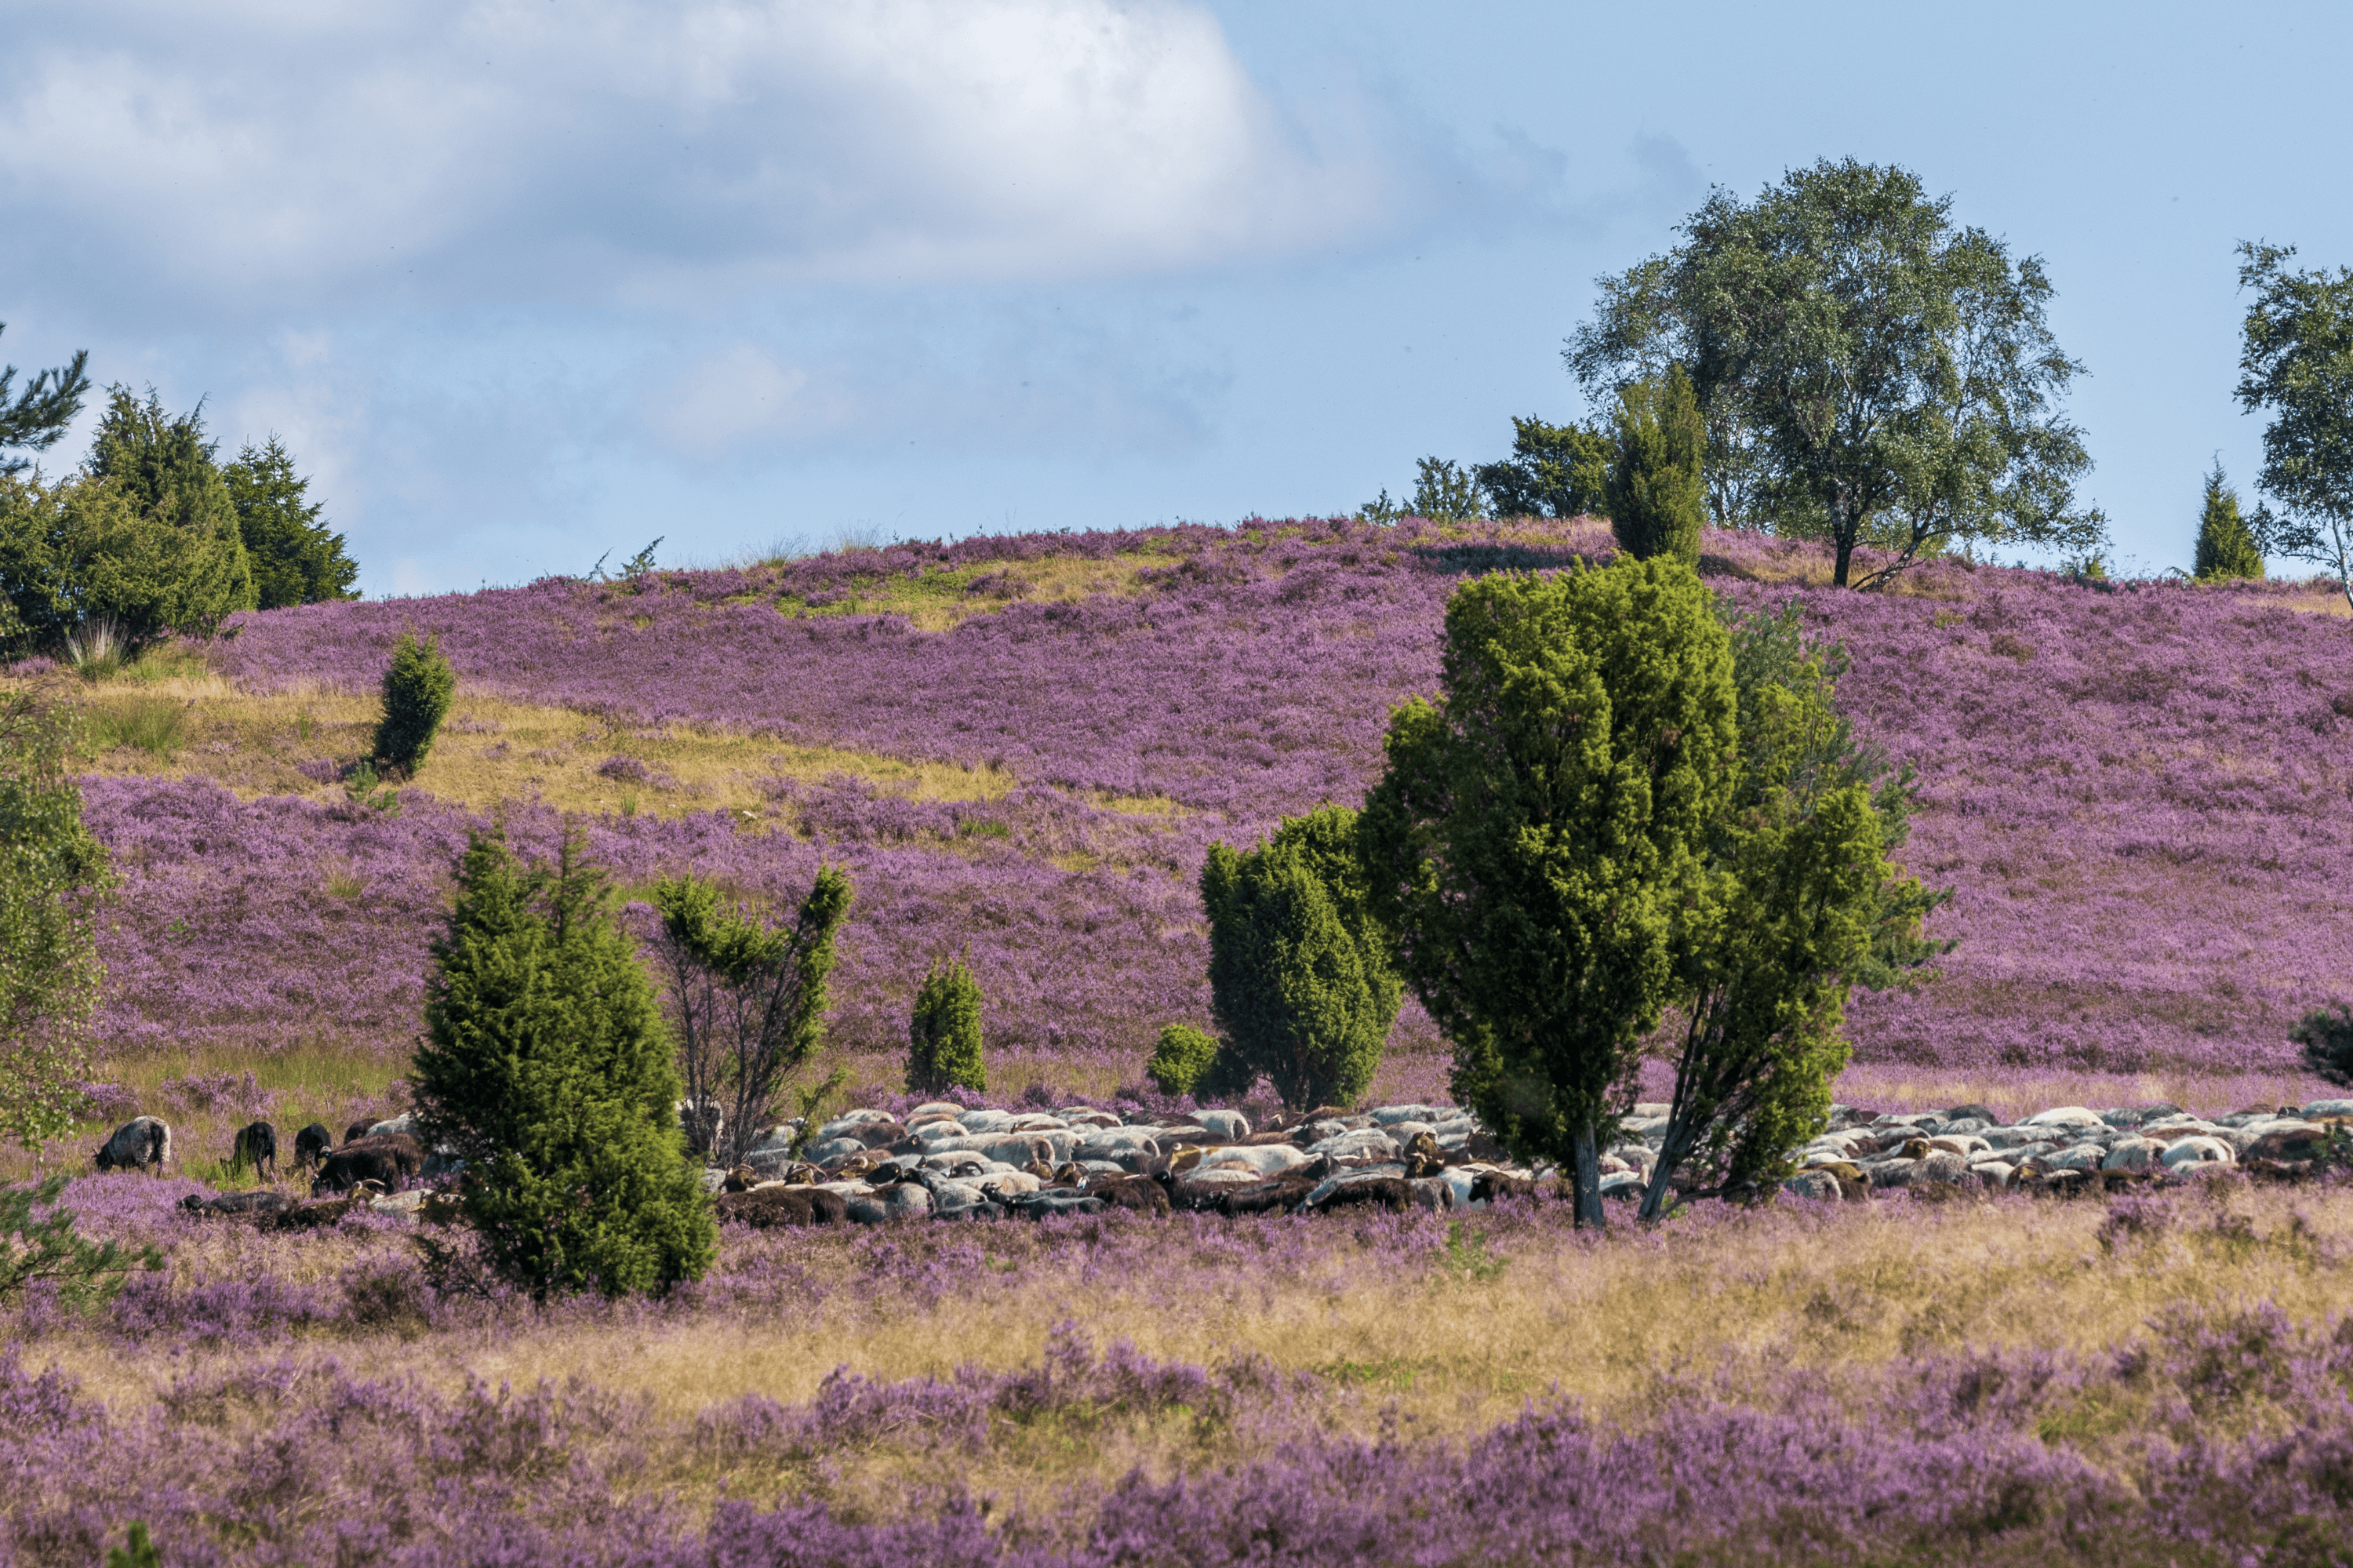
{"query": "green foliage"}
(1382, 511)
(2327, 1036)
(1181, 1058)
(1777, 674)
(365, 790)
(1446, 491)
(79, 554)
(296, 560)
(1868, 371)
(156, 725)
(1798, 902)
(136, 1550)
(1657, 499)
(1300, 974)
(38, 414)
(1537, 830)
(748, 996)
(417, 687)
(1555, 470)
(943, 1048)
(190, 558)
(547, 1068)
(53, 874)
(46, 1250)
(2296, 360)
(2226, 546)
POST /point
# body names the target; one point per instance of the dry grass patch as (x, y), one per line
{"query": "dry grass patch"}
(193, 724)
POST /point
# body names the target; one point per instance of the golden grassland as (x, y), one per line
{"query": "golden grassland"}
(1497, 1319)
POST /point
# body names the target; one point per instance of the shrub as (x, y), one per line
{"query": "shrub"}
(1657, 496)
(547, 1068)
(136, 1550)
(1299, 969)
(1181, 1059)
(943, 1046)
(2327, 1037)
(1555, 470)
(53, 872)
(2226, 546)
(417, 687)
(749, 998)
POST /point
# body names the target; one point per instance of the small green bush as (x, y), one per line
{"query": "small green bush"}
(2226, 546)
(417, 688)
(943, 1047)
(1181, 1059)
(136, 1550)
(1300, 971)
(2327, 1037)
(1658, 497)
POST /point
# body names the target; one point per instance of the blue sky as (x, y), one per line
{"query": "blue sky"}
(523, 282)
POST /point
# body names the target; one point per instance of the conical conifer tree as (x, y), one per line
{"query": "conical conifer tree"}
(1657, 491)
(547, 1068)
(944, 1039)
(2226, 546)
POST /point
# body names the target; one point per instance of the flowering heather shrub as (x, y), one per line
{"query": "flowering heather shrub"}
(2137, 791)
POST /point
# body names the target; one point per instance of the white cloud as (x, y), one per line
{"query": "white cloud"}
(268, 156)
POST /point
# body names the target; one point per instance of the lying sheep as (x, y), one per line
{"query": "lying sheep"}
(763, 1208)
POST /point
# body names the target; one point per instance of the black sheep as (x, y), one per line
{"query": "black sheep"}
(393, 1159)
(256, 1146)
(311, 1145)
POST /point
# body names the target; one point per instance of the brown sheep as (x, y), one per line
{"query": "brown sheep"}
(767, 1207)
(1276, 1194)
(391, 1159)
(1141, 1194)
(1386, 1191)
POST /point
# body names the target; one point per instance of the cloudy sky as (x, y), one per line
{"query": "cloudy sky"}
(522, 282)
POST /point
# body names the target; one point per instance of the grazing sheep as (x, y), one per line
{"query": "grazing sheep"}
(311, 1145)
(143, 1142)
(356, 1132)
(256, 1146)
(391, 1159)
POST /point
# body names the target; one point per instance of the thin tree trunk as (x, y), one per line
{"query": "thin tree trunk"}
(1588, 1179)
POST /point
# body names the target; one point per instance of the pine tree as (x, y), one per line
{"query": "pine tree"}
(547, 1068)
(1299, 968)
(295, 559)
(1658, 494)
(164, 467)
(943, 1046)
(2226, 546)
(418, 685)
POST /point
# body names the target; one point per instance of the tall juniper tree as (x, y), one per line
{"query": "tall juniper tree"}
(547, 1068)
(1538, 828)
